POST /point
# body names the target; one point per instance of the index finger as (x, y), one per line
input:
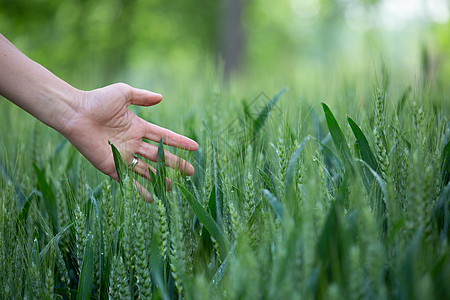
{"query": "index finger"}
(170, 138)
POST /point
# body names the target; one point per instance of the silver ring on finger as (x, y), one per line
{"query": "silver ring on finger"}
(134, 162)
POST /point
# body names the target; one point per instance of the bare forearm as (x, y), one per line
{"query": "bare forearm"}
(34, 88)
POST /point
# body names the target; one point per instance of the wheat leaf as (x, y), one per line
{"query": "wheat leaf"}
(87, 271)
(338, 136)
(207, 221)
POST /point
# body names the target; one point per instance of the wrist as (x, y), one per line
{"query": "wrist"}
(69, 104)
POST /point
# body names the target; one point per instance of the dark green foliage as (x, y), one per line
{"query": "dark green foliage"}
(87, 271)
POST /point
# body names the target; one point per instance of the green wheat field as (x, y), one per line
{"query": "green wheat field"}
(307, 192)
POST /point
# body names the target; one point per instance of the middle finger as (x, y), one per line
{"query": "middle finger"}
(150, 152)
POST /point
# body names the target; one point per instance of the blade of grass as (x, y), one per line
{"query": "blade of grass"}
(121, 168)
(57, 150)
(223, 267)
(318, 131)
(363, 145)
(329, 153)
(380, 180)
(153, 181)
(48, 196)
(212, 203)
(3, 171)
(54, 241)
(35, 251)
(207, 221)
(161, 172)
(218, 203)
(98, 217)
(441, 214)
(23, 215)
(332, 246)
(17, 185)
(267, 181)
(156, 269)
(87, 271)
(276, 205)
(264, 114)
(445, 165)
(239, 194)
(72, 156)
(407, 143)
(288, 186)
(381, 200)
(338, 136)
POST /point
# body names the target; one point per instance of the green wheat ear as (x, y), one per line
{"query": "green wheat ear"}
(49, 284)
(235, 220)
(109, 215)
(177, 254)
(162, 226)
(282, 159)
(118, 281)
(142, 264)
(379, 133)
(249, 200)
(80, 234)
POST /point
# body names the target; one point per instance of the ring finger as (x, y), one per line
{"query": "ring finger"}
(143, 169)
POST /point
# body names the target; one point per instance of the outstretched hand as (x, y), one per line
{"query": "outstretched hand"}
(102, 115)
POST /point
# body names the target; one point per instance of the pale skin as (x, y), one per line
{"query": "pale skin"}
(89, 119)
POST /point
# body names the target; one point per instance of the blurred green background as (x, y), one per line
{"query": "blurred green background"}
(180, 47)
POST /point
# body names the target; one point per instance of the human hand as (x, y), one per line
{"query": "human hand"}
(102, 115)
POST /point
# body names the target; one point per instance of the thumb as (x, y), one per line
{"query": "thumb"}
(143, 97)
(138, 96)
